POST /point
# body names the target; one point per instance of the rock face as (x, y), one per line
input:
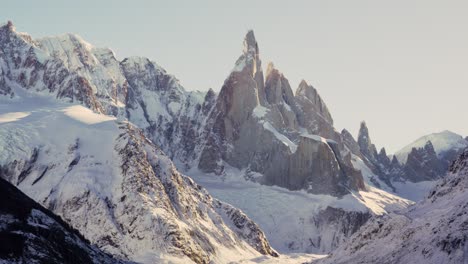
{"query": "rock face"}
(260, 127)
(29, 233)
(423, 164)
(341, 223)
(106, 179)
(365, 144)
(433, 231)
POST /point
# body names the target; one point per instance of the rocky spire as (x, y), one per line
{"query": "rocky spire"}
(242, 91)
(422, 164)
(277, 86)
(350, 142)
(395, 162)
(365, 144)
(383, 158)
(429, 148)
(250, 44)
(314, 100)
(9, 26)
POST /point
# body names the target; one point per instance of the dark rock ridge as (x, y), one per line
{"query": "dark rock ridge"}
(432, 231)
(29, 233)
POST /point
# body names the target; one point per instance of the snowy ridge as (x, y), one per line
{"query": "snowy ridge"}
(139, 207)
(442, 142)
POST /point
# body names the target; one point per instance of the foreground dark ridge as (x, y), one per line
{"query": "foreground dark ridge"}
(29, 233)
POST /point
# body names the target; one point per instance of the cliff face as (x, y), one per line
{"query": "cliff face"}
(262, 127)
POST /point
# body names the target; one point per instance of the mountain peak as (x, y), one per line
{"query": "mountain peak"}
(8, 26)
(303, 84)
(250, 44)
(304, 89)
(363, 131)
(270, 68)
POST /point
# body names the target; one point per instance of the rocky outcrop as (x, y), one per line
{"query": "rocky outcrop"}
(314, 114)
(29, 233)
(423, 165)
(343, 224)
(350, 143)
(365, 144)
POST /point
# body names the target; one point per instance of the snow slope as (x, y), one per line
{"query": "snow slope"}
(293, 220)
(413, 191)
(121, 192)
(432, 231)
(442, 142)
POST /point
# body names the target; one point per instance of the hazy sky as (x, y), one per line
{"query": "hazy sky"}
(401, 65)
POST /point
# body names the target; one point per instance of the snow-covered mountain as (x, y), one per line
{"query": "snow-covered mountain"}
(29, 233)
(444, 143)
(72, 70)
(255, 129)
(106, 179)
(432, 231)
(424, 161)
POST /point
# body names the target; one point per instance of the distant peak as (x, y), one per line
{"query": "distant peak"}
(9, 26)
(383, 152)
(250, 44)
(270, 68)
(307, 90)
(345, 131)
(363, 135)
(303, 84)
(363, 124)
(429, 145)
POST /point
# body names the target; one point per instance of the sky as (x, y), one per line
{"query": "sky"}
(399, 65)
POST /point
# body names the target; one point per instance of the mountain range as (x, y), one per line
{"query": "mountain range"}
(148, 171)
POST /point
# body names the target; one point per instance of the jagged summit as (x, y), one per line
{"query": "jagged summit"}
(303, 86)
(443, 142)
(250, 44)
(270, 68)
(364, 141)
(8, 25)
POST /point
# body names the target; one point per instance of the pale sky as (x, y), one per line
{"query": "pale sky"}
(401, 65)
